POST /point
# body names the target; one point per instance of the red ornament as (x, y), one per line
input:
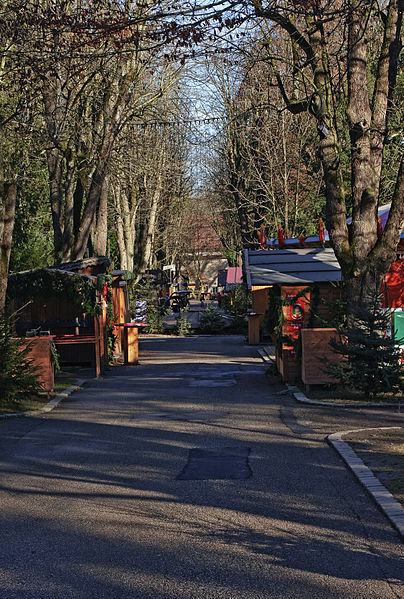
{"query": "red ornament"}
(262, 236)
(321, 230)
(286, 233)
(302, 239)
(281, 239)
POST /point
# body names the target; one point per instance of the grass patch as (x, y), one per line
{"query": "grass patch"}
(27, 402)
(36, 402)
(62, 384)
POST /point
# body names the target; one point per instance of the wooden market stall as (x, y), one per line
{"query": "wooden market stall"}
(305, 274)
(305, 282)
(62, 301)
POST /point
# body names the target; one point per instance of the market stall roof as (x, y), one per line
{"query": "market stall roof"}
(100, 263)
(234, 277)
(291, 266)
(382, 213)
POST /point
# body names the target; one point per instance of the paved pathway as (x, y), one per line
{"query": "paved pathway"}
(91, 505)
(192, 314)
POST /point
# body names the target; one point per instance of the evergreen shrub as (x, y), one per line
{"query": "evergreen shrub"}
(211, 321)
(183, 327)
(371, 356)
(18, 376)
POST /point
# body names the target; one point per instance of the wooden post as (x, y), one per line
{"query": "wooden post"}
(130, 344)
(254, 322)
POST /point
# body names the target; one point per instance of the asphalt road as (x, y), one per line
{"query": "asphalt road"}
(91, 505)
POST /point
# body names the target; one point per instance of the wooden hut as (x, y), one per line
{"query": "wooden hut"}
(68, 302)
(63, 301)
(302, 279)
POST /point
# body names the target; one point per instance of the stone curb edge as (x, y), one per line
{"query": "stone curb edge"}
(384, 499)
(52, 403)
(301, 397)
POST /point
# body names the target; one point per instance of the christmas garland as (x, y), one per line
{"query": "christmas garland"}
(45, 283)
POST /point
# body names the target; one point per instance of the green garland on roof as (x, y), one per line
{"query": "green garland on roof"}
(45, 283)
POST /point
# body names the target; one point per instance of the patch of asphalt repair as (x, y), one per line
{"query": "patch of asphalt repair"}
(227, 463)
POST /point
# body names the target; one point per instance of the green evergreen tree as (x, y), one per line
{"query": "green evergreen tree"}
(370, 355)
(211, 321)
(182, 327)
(18, 376)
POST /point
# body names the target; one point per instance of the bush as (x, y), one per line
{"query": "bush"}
(211, 321)
(238, 324)
(371, 359)
(238, 301)
(155, 321)
(18, 376)
(183, 326)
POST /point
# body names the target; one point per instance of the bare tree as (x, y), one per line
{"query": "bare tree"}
(263, 175)
(326, 71)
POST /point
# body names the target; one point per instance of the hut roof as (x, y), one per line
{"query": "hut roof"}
(382, 213)
(234, 277)
(291, 266)
(82, 265)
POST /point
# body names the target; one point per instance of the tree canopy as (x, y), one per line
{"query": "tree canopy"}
(313, 119)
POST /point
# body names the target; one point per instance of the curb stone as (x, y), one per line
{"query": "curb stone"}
(52, 403)
(384, 499)
(301, 397)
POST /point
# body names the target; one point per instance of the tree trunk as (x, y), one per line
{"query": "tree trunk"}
(151, 225)
(52, 111)
(8, 198)
(101, 222)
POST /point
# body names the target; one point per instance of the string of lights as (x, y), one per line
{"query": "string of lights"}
(201, 120)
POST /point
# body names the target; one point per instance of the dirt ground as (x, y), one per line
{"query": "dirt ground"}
(383, 452)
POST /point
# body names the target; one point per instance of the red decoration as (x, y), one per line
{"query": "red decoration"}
(379, 228)
(262, 236)
(281, 239)
(302, 239)
(286, 233)
(321, 230)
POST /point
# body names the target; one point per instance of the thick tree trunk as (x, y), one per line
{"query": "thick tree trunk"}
(92, 204)
(363, 175)
(123, 257)
(101, 222)
(8, 198)
(126, 207)
(56, 198)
